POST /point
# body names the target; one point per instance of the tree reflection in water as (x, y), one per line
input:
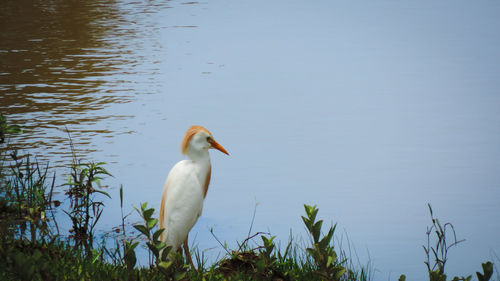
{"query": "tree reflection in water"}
(64, 62)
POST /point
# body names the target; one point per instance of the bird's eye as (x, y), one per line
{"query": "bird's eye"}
(209, 139)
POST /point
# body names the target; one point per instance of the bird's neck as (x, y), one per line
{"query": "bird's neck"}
(199, 156)
(202, 161)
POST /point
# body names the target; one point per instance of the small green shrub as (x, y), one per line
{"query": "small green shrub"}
(439, 252)
(85, 211)
(322, 251)
(165, 262)
(26, 199)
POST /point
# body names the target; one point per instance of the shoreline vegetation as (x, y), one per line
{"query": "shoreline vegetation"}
(32, 247)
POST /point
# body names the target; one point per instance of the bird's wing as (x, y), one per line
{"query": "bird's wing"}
(162, 204)
(181, 203)
(207, 181)
(180, 174)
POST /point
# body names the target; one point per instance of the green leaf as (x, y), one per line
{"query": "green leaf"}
(179, 276)
(264, 239)
(130, 246)
(488, 272)
(102, 192)
(137, 210)
(153, 249)
(130, 258)
(151, 223)
(165, 264)
(287, 249)
(329, 261)
(160, 246)
(325, 241)
(340, 273)
(316, 230)
(157, 234)
(142, 229)
(148, 213)
(165, 252)
(306, 222)
(311, 212)
(308, 209)
(436, 276)
(121, 196)
(96, 255)
(311, 252)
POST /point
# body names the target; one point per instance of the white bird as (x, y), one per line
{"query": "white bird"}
(186, 187)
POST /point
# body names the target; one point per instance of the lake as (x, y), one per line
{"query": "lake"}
(368, 109)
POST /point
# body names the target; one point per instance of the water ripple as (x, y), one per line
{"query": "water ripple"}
(64, 63)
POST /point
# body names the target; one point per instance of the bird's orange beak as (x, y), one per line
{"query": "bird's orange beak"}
(217, 146)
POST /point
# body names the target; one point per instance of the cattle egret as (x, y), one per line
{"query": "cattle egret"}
(186, 187)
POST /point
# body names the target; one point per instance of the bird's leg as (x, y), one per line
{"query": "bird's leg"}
(188, 255)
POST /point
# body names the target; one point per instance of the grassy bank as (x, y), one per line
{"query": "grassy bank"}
(33, 248)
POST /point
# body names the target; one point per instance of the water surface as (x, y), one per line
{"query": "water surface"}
(370, 110)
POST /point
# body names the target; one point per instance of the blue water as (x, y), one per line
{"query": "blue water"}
(370, 110)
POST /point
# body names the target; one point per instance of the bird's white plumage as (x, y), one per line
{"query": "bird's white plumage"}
(183, 191)
(186, 187)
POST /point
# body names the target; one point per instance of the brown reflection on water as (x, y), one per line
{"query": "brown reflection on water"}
(63, 62)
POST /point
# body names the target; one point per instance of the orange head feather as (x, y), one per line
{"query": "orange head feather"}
(189, 135)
